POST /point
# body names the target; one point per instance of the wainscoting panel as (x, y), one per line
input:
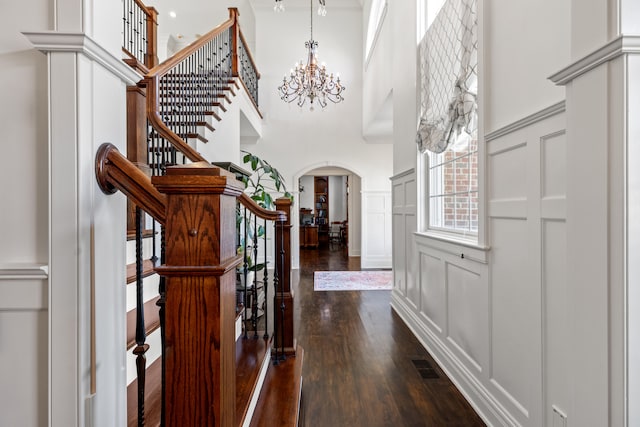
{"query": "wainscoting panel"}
(404, 261)
(506, 169)
(376, 229)
(400, 267)
(515, 319)
(467, 315)
(556, 335)
(554, 160)
(496, 318)
(411, 256)
(433, 293)
(23, 345)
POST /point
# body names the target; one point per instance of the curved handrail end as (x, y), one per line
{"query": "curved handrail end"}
(102, 158)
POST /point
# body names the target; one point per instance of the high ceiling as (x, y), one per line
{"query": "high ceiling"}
(305, 3)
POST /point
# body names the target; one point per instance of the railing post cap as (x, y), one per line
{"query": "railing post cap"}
(233, 11)
(198, 177)
(283, 201)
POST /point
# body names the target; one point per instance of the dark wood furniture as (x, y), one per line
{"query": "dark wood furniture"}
(308, 236)
(321, 207)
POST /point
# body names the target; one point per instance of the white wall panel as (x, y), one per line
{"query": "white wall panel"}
(518, 63)
(411, 193)
(467, 315)
(376, 242)
(399, 254)
(433, 294)
(507, 172)
(23, 346)
(515, 315)
(554, 160)
(404, 225)
(556, 333)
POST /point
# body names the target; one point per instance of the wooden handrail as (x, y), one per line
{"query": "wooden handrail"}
(164, 67)
(147, 10)
(261, 212)
(244, 41)
(114, 172)
(152, 82)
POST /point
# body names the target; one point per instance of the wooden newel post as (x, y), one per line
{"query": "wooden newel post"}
(136, 140)
(199, 352)
(233, 13)
(283, 248)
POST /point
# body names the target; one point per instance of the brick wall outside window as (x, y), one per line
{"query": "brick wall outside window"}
(453, 183)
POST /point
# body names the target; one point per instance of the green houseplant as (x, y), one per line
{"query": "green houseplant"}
(264, 185)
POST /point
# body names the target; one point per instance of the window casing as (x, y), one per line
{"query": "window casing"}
(451, 181)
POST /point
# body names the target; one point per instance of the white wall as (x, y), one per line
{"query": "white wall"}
(23, 81)
(517, 65)
(195, 17)
(390, 77)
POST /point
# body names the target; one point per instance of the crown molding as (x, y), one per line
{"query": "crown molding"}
(54, 41)
(623, 45)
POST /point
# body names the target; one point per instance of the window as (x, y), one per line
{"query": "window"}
(453, 188)
(447, 134)
(376, 14)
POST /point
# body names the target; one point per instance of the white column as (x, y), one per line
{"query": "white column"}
(603, 195)
(87, 106)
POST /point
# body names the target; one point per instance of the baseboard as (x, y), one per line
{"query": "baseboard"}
(375, 262)
(471, 387)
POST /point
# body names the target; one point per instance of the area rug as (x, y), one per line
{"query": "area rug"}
(373, 280)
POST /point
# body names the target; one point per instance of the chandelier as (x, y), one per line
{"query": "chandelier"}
(311, 81)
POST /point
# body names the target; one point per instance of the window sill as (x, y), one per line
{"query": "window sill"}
(459, 246)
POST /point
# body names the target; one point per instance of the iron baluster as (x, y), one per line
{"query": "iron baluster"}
(141, 346)
(265, 288)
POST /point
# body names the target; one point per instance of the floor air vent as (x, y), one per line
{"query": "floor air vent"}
(425, 369)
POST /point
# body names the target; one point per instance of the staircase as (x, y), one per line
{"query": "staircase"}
(170, 111)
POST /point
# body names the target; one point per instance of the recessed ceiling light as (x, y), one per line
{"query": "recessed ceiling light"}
(172, 14)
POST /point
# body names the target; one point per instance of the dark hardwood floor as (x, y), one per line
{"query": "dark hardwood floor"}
(363, 367)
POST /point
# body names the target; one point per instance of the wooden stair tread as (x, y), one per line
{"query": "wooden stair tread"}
(201, 123)
(131, 234)
(147, 270)
(192, 135)
(279, 401)
(151, 320)
(152, 397)
(250, 354)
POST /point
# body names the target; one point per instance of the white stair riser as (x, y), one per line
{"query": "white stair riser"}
(147, 248)
(149, 290)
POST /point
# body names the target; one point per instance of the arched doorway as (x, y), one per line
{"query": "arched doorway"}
(344, 180)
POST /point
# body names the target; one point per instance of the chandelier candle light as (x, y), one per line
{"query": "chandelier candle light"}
(311, 81)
